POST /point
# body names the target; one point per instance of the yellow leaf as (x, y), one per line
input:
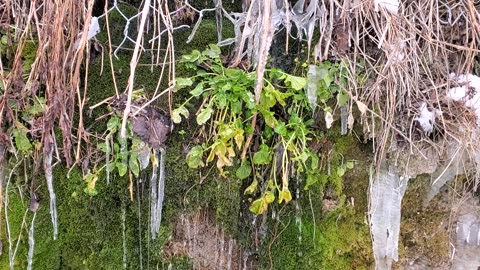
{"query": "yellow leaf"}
(239, 139)
(231, 152)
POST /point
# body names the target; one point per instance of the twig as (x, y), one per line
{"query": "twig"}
(133, 65)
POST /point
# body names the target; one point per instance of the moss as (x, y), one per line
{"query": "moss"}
(424, 231)
(340, 240)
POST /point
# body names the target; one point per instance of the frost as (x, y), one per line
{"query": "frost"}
(386, 193)
(426, 119)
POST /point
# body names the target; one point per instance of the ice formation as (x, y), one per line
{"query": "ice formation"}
(386, 194)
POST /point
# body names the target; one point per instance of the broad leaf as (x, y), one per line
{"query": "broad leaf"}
(244, 170)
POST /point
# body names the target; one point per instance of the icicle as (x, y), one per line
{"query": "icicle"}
(157, 184)
(161, 189)
(298, 212)
(386, 193)
(344, 119)
(53, 204)
(107, 157)
(124, 239)
(153, 194)
(31, 243)
(140, 232)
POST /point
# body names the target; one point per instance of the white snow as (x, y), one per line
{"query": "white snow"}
(389, 5)
(426, 119)
(468, 92)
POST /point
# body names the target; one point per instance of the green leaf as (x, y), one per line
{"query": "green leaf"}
(22, 143)
(197, 91)
(349, 164)
(315, 160)
(296, 82)
(192, 57)
(213, 51)
(252, 188)
(281, 129)
(204, 115)
(263, 156)
(270, 120)
(340, 171)
(122, 168)
(342, 98)
(182, 83)
(244, 170)
(133, 164)
(284, 195)
(312, 178)
(91, 180)
(113, 124)
(194, 157)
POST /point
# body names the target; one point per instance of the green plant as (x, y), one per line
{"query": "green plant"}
(282, 131)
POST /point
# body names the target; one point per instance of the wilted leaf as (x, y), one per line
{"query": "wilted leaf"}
(252, 188)
(284, 195)
(269, 197)
(204, 115)
(361, 107)
(350, 121)
(259, 206)
(328, 119)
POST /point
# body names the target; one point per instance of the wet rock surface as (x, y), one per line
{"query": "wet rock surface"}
(197, 236)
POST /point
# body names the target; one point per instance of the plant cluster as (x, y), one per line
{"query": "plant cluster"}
(281, 135)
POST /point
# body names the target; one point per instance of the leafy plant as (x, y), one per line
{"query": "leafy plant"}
(282, 130)
(122, 154)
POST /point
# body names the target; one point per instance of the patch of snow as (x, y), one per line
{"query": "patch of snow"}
(93, 30)
(389, 5)
(468, 92)
(426, 119)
